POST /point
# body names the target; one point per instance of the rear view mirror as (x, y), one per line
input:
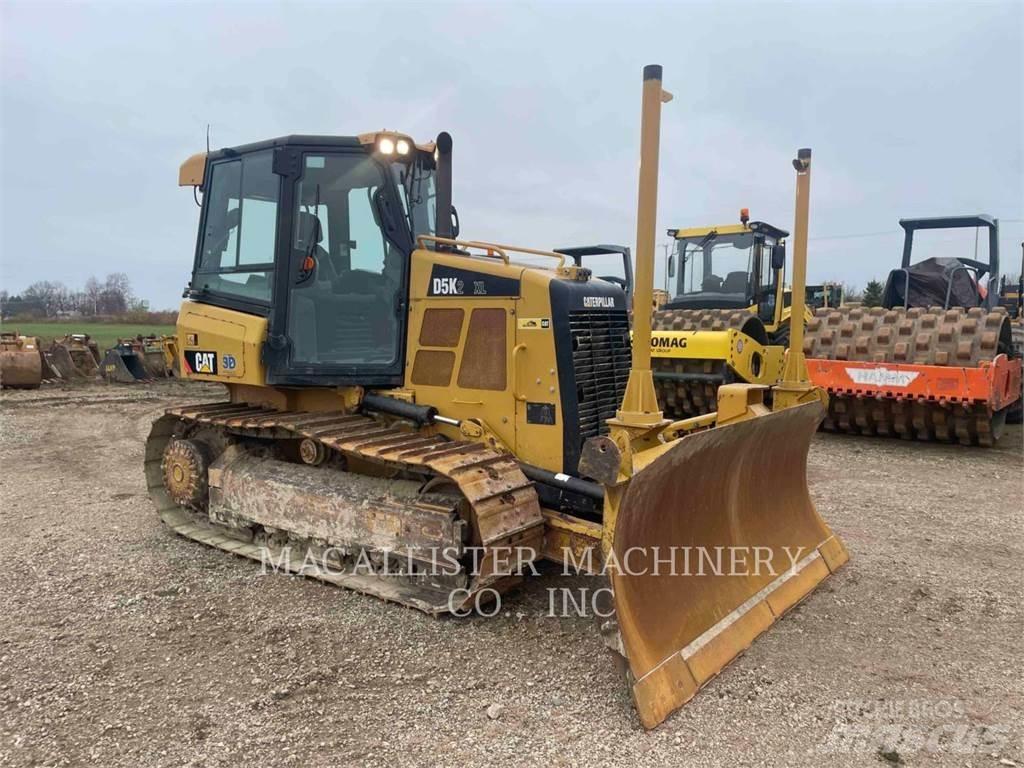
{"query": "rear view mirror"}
(455, 224)
(383, 212)
(778, 256)
(671, 265)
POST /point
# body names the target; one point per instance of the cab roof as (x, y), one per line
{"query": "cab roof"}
(728, 229)
(192, 171)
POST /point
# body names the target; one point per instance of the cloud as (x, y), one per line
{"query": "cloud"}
(910, 110)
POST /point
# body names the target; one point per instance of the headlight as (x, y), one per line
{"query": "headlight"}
(386, 146)
(403, 147)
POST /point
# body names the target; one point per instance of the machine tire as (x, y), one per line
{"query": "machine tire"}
(781, 337)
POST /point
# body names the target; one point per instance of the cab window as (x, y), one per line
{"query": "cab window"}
(236, 254)
(347, 282)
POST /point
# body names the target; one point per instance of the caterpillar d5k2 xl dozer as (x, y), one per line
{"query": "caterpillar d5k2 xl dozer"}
(727, 320)
(408, 409)
(934, 362)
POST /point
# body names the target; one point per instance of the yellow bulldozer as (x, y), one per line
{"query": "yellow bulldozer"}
(411, 413)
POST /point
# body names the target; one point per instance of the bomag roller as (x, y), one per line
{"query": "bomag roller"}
(408, 408)
(935, 362)
(726, 320)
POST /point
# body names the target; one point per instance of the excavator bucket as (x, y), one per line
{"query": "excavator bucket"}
(20, 362)
(73, 357)
(715, 538)
(153, 357)
(125, 365)
(153, 362)
(169, 345)
(58, 358)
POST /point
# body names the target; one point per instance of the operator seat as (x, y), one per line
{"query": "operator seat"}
(735, 282)
(711, 284)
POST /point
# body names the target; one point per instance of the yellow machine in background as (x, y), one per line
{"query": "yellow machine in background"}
(409, 411)
(727, 318)
(823, 296)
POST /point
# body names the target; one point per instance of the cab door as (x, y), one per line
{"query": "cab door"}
(339, 314)
(768, 277)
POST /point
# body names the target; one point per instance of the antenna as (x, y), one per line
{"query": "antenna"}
(207, 138)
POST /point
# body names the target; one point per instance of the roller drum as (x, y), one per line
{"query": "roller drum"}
(958, 337)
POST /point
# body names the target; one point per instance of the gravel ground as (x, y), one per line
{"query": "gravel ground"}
(123, 644)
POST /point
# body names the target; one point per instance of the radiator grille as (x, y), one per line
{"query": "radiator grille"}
(601, 360)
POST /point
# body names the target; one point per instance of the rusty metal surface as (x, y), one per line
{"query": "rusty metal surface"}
(74, 357)
(502, 506)
(600, 459)
(348, 511)
(737, 487)
(20, 362)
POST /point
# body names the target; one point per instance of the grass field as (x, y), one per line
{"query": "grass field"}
(104, 334)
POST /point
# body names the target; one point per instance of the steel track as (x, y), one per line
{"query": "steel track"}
(498, 500)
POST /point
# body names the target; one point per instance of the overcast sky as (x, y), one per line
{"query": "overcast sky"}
(911, 110)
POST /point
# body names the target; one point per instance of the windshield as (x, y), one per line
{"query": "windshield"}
(715, 264)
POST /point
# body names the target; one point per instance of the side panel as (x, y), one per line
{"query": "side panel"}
(460, 337)
(218, 344)
(540, 409)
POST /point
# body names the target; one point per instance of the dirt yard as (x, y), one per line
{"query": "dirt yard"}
(123, 644)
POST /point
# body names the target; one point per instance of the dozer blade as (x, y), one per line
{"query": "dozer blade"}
(733, 502)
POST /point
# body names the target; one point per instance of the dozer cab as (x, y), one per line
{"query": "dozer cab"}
(727, 319)
(411, 413)
(935, 362)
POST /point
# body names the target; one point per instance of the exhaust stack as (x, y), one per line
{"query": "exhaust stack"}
(444, 185)
(640, 403)
(796, 364)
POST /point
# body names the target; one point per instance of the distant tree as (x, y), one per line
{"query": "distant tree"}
(54, 297)
(115, 295)
(90, 301)
(851, 292)
(19, 306)
(872, 294)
